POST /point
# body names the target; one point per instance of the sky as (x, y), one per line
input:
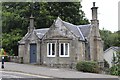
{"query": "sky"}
(107, 13)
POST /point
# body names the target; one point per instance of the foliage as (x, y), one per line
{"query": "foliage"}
(2, 52)
(118, 38)
(112, 39)
(87, 66)
(11, 53)
(109, 38)
(115, 69)
(15, 18)
(9, 41)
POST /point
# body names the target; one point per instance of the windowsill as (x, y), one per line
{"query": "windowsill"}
(51, 56)
(64, 56)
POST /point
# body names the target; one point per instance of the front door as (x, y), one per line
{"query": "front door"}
(33, 53)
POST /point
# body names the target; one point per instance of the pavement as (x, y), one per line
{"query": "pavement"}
(51, 72)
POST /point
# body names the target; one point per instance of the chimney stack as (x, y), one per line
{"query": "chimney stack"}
(94, 12)
(95, 33)
(31, 26)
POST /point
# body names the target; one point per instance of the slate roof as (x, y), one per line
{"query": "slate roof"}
(114, 48)
(41, 32)
(85, 29)
(117, 48)
(80, 31)
(74, 29)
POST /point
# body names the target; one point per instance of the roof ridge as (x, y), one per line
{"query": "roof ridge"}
(68, 23)
(83, 25)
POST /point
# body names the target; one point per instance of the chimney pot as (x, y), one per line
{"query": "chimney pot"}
(31, 17)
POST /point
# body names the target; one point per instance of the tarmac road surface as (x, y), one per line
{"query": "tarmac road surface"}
(44, 71)
(10, 74)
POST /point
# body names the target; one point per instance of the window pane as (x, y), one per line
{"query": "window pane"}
(62, 48)
(53, 49)
(66, 49)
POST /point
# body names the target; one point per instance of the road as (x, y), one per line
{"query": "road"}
(48, 71)
(10, 74)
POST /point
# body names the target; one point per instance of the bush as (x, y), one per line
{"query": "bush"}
(115, 70)
(87, 66)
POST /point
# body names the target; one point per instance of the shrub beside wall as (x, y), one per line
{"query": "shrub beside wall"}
(87, 66)
(115, 70)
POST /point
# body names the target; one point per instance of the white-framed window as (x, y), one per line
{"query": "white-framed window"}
(51, 49)
(64, 49)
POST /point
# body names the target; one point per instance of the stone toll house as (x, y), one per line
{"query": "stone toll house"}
(63, 44)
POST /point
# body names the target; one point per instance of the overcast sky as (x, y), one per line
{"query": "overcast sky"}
(107, 13)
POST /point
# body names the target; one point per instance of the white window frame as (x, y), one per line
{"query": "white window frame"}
(64, 55)
(50, 50)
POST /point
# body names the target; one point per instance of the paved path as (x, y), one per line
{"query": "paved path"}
(51, 72)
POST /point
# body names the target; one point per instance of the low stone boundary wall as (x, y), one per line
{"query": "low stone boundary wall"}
(13, 59)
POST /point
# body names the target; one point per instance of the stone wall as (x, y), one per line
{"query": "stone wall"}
(14, 59)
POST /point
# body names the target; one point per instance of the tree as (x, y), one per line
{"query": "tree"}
(117, 43)
(105, 35)
(109, 38)
(9, 41)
